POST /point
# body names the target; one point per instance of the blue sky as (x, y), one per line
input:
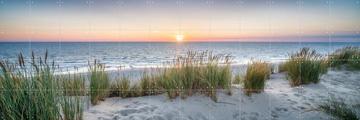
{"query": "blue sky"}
(163, 20)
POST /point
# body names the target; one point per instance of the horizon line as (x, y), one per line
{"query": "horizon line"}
(180, 42)
(321, 38)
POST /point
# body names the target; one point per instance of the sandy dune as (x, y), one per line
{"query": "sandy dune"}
(278, 101)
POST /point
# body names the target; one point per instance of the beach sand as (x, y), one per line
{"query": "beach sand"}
(278, 101)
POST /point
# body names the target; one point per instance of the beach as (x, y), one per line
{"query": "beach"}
(278, 101)
(196, 85)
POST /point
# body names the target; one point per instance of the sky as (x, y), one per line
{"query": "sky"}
(166, 20)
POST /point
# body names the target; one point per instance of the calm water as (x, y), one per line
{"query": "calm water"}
(138, 55)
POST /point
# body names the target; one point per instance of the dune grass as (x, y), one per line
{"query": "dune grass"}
(355, 61)
(28, 93)
(135, 91)
(349, 56)
(238, 79)
(73, 87)
(72, 107)
(73, 84)
(196, 72)
(304, 67)
(256, 74)
(149, 84)
(120, 87)
(99, 82)
(171, 83)
(217, 77)
(339, 110)
(29, 90)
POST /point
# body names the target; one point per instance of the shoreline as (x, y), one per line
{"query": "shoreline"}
(136, 73)
(234, 67)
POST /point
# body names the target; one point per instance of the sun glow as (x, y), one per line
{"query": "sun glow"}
(179, 37)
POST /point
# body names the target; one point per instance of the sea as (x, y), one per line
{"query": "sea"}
(75, 56)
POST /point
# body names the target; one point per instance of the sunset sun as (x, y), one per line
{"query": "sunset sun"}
(179, 37)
